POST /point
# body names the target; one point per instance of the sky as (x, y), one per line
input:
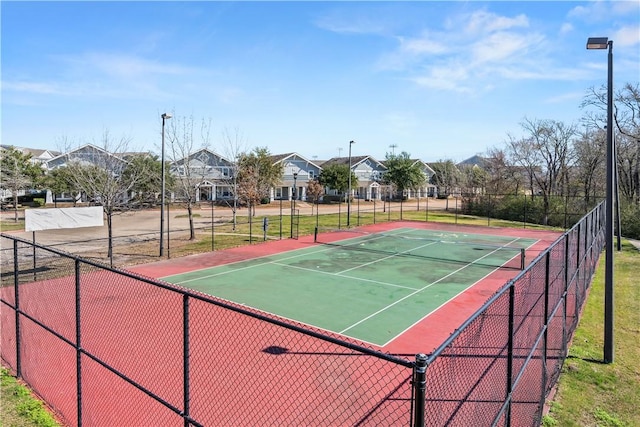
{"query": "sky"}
(438, 80)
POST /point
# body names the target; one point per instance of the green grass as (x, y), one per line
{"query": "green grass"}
(19, 407)
(10, 225)
(591, 393)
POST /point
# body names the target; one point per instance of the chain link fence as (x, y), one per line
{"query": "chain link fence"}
(214, 228)
(103, 346)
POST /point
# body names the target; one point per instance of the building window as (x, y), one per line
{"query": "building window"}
(311, 175)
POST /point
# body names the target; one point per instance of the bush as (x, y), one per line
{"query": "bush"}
(630, 221)
(523, 208)
(331, 198)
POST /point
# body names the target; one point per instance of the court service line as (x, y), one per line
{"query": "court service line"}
(387, 257)
(345, 276)
(326, 249)
(222, 273)
(420, 290)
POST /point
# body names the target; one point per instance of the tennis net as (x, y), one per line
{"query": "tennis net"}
(441, 247)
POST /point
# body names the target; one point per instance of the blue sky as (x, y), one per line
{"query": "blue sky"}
(440, 80)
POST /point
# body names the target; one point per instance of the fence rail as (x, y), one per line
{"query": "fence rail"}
(104, 346)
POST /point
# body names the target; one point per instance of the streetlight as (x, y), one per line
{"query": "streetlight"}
(604, 43)
(349, 188)
(294, 194)
(164, 116)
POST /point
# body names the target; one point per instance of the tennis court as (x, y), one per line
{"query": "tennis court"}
(367, 286)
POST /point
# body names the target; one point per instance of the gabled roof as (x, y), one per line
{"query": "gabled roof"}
(209, 153)
(476, 160)
(355, 160)
(424, 164)
(36, 153)
(87, 147)
(279, 158)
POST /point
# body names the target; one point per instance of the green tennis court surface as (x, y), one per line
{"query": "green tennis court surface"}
(371, 287)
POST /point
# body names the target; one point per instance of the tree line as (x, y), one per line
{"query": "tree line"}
(552, 160)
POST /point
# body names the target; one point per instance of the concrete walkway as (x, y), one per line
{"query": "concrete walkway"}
(635, 243)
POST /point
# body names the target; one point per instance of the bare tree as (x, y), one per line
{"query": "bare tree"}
(234, 147)
(626, 116)
(503, 177)
(545, 154)
(190, 162)
(590, 151)
(101, 172)
(446, 178)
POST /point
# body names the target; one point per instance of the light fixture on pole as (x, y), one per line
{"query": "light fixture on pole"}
(605, 43)
(164, 116)
(349, 188)
(294, 194)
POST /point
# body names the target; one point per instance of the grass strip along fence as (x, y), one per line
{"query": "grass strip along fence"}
(103, 346)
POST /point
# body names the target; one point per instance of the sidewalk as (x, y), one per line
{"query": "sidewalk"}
(635, 243)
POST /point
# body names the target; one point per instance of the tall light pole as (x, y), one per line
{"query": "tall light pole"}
(605, 43)
(164, 116)
(294, 194)
(349, 188)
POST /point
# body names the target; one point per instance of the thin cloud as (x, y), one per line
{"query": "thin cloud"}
(566, 28)
(122, 65)
(484, 22)
(502, 46)
(627, 36)
(39, 88)
(489, 45)
(104, 75)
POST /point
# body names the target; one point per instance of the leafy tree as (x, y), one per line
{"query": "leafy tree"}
(403, 173)
(60, 181)
(18, 173)
(258, 168)
(147, 187)
(336, 176)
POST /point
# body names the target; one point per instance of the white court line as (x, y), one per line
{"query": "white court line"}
(326, 249)
(222, 273)
(420, 290)
(453, 297)
(347, 277)
(387, 257)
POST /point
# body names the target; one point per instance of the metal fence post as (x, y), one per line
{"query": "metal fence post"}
(565, 334)
(508, 397)
(78, 345)
(185, 359)
(419, 387)
(547, 321)
(16, 292)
